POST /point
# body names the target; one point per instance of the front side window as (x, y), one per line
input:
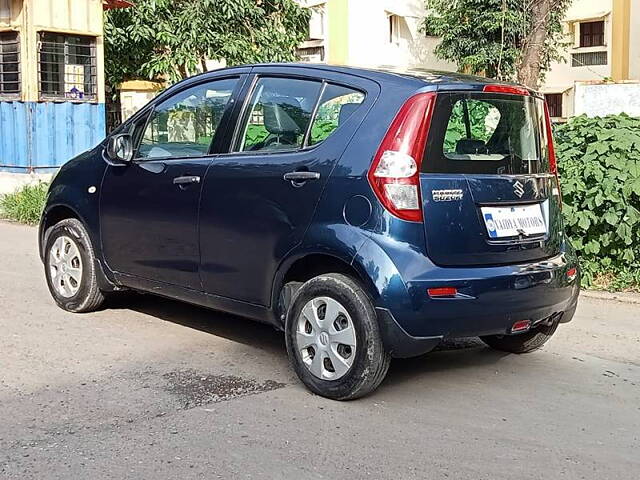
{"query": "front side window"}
(487, 134)
(67, 66)
(185, 124)
(336, 106)
(9, 63)
(278, 115)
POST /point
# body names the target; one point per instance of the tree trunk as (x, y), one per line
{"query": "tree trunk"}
(529, 68)
(183, 71)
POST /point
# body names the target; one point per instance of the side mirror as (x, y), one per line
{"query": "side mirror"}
(120, 148)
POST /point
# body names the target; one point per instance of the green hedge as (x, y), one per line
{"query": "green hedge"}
(599, 166)
(26, 204)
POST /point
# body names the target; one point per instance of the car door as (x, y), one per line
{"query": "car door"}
(259, 199)
(149, 207)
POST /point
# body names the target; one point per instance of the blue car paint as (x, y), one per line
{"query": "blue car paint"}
(339, 217)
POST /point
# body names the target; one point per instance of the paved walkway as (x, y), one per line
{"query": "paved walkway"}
(151, 388)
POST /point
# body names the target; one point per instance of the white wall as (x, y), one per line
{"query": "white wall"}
(561, 74)
(131, 101)
(601, 100)
(10, 182)
(369, 44)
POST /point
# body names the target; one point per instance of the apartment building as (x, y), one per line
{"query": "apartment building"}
(599, 74)
(370, 33)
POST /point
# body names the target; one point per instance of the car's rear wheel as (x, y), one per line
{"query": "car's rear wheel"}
(70, 267)
(522, 342)
(333, 339)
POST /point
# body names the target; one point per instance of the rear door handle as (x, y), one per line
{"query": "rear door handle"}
(186, 180)
(301, 176)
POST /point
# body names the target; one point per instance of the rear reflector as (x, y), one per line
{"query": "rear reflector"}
(571, 273)
(521, 326)
(442, 292)
(509, 89)
(395, 171)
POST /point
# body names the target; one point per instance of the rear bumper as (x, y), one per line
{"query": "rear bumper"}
(491, 300)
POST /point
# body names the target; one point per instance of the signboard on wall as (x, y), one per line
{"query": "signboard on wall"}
(607, 99)
(74, 81)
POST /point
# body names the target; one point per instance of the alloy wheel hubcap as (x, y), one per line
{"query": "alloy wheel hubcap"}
(326, 338)
(65, 266)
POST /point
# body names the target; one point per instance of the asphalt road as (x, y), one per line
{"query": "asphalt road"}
(151, 388)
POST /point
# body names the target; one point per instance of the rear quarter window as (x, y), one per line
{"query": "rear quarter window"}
(478, 133)
(337, 104)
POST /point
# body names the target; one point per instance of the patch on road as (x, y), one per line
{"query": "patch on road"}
(195, 389)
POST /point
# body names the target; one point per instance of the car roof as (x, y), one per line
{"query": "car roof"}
(421, 76)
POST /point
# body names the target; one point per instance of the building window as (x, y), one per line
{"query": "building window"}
(311, 54)
(316, 24)
(394, 29)
(554, 103)
(67, 67)
(592, 34)
(589, 59)
(9, 64)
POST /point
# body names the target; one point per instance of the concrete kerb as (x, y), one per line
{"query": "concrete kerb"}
(10, 182)
(623, 297)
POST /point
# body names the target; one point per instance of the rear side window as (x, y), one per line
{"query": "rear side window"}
(487, 134)
(288, 114)
(279, 114)
(337, 104)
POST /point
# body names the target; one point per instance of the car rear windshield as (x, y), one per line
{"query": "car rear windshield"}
(480, 133)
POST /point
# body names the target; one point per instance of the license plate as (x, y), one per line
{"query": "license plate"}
(514, 221)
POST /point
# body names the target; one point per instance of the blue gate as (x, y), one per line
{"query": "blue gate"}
(40, 136)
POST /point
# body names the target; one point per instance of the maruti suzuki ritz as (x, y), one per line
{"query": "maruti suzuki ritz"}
(366, 214)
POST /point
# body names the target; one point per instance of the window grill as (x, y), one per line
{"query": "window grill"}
(311, 54)
(587, 59)
(67, 66)
(9, 64)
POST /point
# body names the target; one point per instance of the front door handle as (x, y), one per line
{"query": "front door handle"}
(186, 180)
(301, 176)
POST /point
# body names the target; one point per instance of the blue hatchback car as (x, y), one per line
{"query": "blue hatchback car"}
(367, 214)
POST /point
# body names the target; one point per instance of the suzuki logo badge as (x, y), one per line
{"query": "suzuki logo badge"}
(518, 189)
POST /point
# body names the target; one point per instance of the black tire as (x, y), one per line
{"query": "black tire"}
(522, 342)
(88, 296)
(371, 361)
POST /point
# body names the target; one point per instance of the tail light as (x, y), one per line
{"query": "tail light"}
(553, 164)
(395, 172)
(509, 89)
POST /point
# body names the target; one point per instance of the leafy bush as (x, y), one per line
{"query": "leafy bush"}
(26, 204)
(321, 129)
(599, 163)
(255, 134)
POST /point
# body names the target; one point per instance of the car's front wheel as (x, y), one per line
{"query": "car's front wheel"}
(70, 267)
(333, 339)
